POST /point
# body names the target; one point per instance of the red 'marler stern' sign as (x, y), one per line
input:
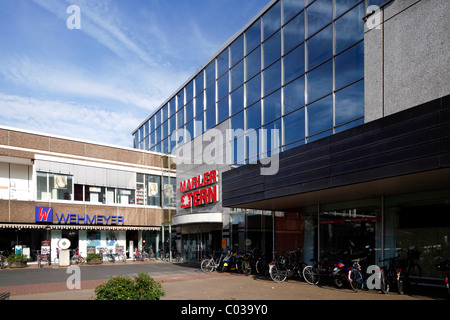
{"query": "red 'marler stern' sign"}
(200, 190)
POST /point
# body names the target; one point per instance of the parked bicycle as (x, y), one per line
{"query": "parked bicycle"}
(248, 262)
(213, 262)
(320, 268)
(286, 265)
(3, 259)
(444, 266)
(77, 258)
(409, 271)
(262, 265)
(121, 256)
(107, 254)
(357, 275)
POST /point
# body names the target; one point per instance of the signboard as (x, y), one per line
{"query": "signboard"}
(200, 190)
(45, 249)
(45, 214)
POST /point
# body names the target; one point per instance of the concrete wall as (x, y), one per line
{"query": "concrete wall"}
(407, 58)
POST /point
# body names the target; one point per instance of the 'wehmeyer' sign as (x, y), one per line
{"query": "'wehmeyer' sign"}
(200, 190)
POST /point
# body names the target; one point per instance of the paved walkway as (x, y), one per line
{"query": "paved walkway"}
(213, 286)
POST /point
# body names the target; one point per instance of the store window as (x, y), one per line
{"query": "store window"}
(54, 186)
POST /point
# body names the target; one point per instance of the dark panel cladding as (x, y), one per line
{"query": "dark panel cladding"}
(412, 141)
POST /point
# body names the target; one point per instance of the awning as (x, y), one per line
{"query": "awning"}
(77, 227)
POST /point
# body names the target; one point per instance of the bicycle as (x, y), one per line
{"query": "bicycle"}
(443, 266)
(320, 268)
(388, 274)
(286, 265)
(120, 256)
(107, 254)
(356, 277)
(77, 258)
(262, 266)
(211, 263)
(409, 272)
(3, 259)
(248, 262)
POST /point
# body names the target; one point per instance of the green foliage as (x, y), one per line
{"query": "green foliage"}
(17, 258)
(140, 287)
(91, 256)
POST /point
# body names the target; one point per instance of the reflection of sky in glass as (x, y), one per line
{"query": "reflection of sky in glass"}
(222, 63)
(320, 47)
(294, 64)
(272, 106)
(237, 100)
(223, 109)
(272, 49)
(210, 117)
(294, 95)
(254, 89)
(343, 5)
(222, 86)
(320, 115)
(294, 126)
(319, 14)
(254, 116)
(294, 32)
(237, 50)
(272, 77)
(237, 75)
(253, 63)
(272, 20)
(253, 36)
(349, 65)
(350, 28)
(349, 103)
(320, 81)
(291, 8)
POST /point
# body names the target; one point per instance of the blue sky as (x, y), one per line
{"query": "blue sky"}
(99, 82)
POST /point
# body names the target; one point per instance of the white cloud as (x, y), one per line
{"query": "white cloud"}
(68, 119)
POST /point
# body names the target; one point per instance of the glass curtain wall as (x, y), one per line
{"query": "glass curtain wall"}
(298, 68)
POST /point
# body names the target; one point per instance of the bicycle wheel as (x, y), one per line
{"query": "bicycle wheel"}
(401, 279)
(262, 267)
(277, 272)
(311, 275)
(356, 280)
(384, 282)
(207, 265)
(246, 268)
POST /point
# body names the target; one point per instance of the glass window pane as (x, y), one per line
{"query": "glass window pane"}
(344, 5)
(294, 64)
(349, 65)
(320, 81)
(253, 36)
(210, 117)
(294, 126)
(60, 186)
(272, 20)
(238, 146)
(199, 103)
(319, 14)
(273, 137)
(222, 63)
(157, 119)
(189, 91)
(210, 73)
(237, 100)
(237, 122)
(237, 50)
(189, 111)
(291, 8)
(294, 95)
(272, 49)
(153, 183)
(253, 90)
(253, 116)
(180, 118)
(320, 47)
(42, 192)
(173, 107)
(237, 75)
(172, 124)
(272, 78)
(350, 28)
(223, 109)
(320, 115)
(199, 83)
(210, 95)
(199, 125)
(272, 107)
(222, 86)
(349, 103)
(294, 32)
(253, 63)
